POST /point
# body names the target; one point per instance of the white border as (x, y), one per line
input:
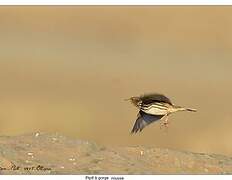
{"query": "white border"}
(115, 2)
(125, 177)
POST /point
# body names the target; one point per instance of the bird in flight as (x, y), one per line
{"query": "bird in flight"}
(154, 107)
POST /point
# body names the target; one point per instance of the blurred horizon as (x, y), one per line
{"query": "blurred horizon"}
(68, 69)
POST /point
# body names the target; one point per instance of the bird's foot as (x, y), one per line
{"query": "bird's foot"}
(164, 124)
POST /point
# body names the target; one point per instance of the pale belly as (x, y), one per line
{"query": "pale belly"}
(155, 111)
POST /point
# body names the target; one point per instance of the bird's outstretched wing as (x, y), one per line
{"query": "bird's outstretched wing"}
(143, 120)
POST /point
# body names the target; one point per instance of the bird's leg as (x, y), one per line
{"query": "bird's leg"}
(164, 122)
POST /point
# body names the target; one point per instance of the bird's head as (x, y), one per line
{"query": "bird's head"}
(134, 100)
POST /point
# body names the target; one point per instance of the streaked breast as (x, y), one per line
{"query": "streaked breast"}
(155, 109)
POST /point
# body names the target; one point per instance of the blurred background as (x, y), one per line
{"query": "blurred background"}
(68, 69)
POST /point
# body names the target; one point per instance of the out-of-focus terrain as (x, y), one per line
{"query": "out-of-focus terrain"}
(42, 153)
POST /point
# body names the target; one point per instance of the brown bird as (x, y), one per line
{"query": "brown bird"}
(153, 107)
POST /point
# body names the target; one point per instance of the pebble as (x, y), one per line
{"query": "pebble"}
(30, 153)
(71, 159)
(37, 134)
(54, 139)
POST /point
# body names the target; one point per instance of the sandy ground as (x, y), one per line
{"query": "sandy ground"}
(42, 153)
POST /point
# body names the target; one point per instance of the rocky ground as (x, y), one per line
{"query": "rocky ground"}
(42, 153)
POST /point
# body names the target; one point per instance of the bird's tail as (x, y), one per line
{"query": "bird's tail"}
(190, 109)
(179, 108)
